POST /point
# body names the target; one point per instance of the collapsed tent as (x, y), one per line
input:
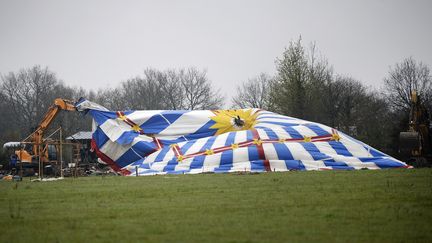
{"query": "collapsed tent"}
(252, 140)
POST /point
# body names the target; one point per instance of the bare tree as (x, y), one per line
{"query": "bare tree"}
(198, 91)
(30, 92)
(111, 98)
(253, 93)
(143, 93)
(351, 96)
(405, 77)
(173, 90)
(9, 127)
(320, 77)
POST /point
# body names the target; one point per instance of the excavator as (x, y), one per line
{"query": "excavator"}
(415, 144)
(34, 149)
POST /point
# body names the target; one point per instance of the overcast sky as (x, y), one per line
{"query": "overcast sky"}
(97, 44)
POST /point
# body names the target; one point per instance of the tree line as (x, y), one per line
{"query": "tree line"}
(304, 86)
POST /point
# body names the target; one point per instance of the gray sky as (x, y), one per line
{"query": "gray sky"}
(97, 44)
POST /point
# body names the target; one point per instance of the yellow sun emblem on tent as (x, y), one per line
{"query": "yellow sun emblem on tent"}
(233, 120)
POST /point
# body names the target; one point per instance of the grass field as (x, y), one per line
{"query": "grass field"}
(348, 206)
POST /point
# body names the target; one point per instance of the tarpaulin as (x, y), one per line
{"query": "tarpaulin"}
(149, 142)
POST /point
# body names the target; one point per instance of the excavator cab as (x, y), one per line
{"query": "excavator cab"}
(24, 161)
(20, 150)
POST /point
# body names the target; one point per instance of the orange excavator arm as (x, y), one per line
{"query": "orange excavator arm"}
(36, 138)
(59, 104)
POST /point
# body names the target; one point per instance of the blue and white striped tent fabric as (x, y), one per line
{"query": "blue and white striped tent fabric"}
(250, 140)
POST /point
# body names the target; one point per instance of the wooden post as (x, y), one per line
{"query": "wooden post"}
(77, 161)
(136, 170)
(21, 165)
(40, 165)
(61, 153)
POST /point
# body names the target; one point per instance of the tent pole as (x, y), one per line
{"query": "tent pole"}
(40, 166)
(61, 153)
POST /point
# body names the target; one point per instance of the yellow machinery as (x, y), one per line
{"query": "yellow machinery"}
(415, 144)
(35, 149)
(40, 149)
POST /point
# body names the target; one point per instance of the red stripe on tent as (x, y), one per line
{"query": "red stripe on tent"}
(323, 136)
(111, 163)
(407, 167)
(129, 121)
(260, 149)
(157, 142)
(334, 132)
(267, 165)
(222, 149)
(176, 149)
(259, 146)
(121, 114)
(245, 144)
(195, 154)
(325, 169)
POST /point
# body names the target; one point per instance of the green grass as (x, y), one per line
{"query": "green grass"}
(348, 206)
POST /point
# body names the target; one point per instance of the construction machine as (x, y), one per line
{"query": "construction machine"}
(35, 149)
(415, 144)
